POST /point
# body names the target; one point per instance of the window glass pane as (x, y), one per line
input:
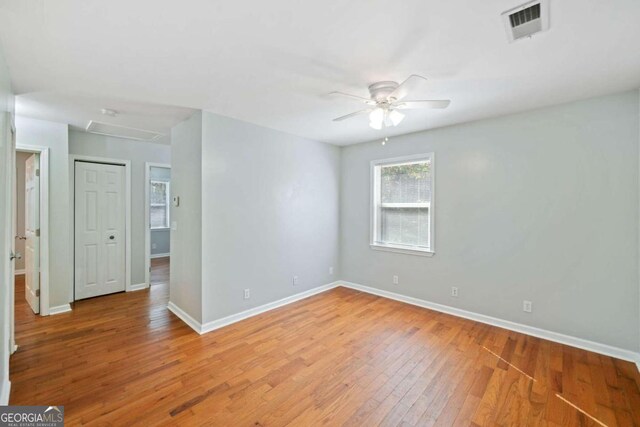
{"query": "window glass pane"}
(406, 183)
(159, 206)
(403, 193)
(158, 193)
(406, 226)
(158, 216)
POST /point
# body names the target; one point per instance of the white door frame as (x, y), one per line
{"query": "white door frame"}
(7, 141)
(12, 173)
(44, 224)
(147, 227)
(127, 247)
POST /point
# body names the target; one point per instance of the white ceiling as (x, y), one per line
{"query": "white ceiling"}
(77, 110)
(273, 62)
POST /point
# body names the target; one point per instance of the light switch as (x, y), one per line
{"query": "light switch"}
(174, 225)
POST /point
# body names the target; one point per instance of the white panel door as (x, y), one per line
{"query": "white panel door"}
(32, 232)
(99, 229)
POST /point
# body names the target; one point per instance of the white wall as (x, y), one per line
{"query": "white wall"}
(21, 158)
(541, 206)
(6, 171)
(56, 137)
(270, 211)
(160, 242)
(257, 207)
(138, 152)
(185, 290)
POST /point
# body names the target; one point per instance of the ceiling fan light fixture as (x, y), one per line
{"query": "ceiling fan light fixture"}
(396, 117)
(376, 125)
(381, 117)
(377, 115)
(376, 118)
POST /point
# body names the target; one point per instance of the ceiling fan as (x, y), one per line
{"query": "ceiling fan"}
(387, 98)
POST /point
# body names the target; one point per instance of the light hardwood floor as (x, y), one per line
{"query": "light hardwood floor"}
(159, 271)
(338, 358)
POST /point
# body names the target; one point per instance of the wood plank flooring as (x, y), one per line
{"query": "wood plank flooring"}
(338, 358)
(159, 271)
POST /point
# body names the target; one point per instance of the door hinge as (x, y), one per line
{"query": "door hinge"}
(37, 172)
(37, 232)
(38, 293)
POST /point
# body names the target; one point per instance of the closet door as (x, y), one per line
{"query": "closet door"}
(99, 229)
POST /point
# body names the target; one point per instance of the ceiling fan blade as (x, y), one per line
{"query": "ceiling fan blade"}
(357, 113)
(409, 85)
(423, 103)
(359, 98)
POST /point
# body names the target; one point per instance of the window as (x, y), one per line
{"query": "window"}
(402, 204)
(159, 205)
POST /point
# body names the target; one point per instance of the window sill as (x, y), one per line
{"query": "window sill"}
(160, 228)
(401, 250)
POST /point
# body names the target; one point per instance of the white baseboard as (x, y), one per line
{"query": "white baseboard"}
(225, 321)
(595, 347)
(138, 287)
(159, 255)
(19, 272)
(5, 391)
(219, 323)
(64, 308)
(186, 318)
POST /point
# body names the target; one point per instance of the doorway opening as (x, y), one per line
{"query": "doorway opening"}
(30, 230)
(157, 223)
(27, 220)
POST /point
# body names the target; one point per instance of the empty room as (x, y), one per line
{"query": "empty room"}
(336, 213)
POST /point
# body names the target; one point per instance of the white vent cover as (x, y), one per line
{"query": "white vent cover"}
(526, 20)
(122, 131)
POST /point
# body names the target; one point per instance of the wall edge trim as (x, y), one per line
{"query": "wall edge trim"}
(58, 309)
(557, 337)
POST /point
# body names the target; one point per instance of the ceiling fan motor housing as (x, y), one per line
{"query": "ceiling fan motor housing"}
(380, 91)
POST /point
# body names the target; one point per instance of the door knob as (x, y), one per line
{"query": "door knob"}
(21, 237)
(112, 237)
(13, 256)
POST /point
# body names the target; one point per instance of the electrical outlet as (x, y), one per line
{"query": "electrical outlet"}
(454, 291)
(295, 280)
(395, 280)
(330, 270)
(527, 306)
(247, 293)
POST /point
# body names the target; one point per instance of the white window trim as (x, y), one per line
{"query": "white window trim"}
(374, 184)
(167, 202)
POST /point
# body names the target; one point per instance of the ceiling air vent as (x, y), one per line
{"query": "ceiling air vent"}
(526, 20)
(122, 131)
